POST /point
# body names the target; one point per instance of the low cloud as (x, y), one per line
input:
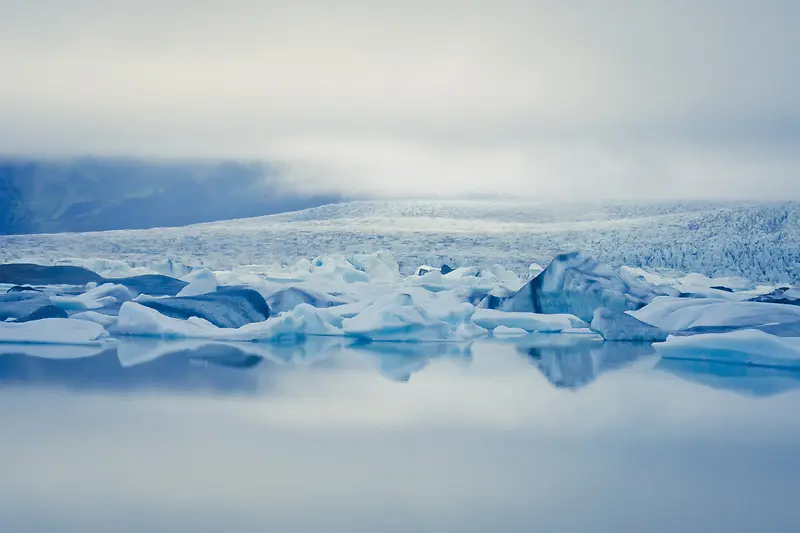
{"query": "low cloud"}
(538, 98)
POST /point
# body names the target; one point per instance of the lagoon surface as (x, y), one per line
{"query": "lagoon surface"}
(541, 433)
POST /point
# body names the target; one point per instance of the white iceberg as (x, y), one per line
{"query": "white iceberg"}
(555, 323)
(744, 346)
(201, 281)
(682, 314)
(617, 326)
(52, 331)
(578, 284)
(96, 298)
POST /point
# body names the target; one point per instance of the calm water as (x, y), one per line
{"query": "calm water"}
(541, 434)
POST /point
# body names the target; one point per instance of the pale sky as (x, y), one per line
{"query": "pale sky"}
(545, 99)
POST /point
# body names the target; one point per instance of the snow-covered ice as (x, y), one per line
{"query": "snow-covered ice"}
(619, 326)
(52, 331)
(744, 346)
(696, 314)
(543, 323)
(98, 297)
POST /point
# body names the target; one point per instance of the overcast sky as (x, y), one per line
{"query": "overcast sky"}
(553, 99)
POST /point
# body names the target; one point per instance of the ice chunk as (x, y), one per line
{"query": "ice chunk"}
(52, 331)
(25, 307)
(781, 295)
(22, 273)
(98, 318)
(200, 281)
(578, 284)
(617, 326)
(151, 284)
(22, 288)
(136, 319)
(290, 297)
(228, 307)
(745, 346)
(704, 314)
(397, 319)
(379, 266)
(491, 319)
(504, 331)
(102, 296)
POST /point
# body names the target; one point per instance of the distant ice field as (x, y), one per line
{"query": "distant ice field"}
(760, 242)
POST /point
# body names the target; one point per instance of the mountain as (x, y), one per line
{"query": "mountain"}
(102, 194)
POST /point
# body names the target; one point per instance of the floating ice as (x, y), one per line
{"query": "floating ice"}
(27, 306)
(578, 284)
(26, 273)
(288, 298)
(504, 331)
(98, 318)
(102, 296)
(617, 326)
(705, 314)
(52, 331)
(136, 319)
(228, 307)
(555, 323)
(200, 281)
(744, 346)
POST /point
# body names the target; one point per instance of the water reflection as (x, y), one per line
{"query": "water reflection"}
(736, 377)
(572, 362)
(469, 438)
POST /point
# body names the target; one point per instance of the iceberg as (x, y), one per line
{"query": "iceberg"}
(104, 295)
(199, 282)
(705, 315)
(397, 319)
(745, 346)
(27, 273)
(505, 331)
(151, 284)
(290, 297)
(530, 322)
(137, 319)
(781, 295)
(98, 318)
(52, 331)
(25, 307)
(577, 284)
(617, 326)
(227, 307)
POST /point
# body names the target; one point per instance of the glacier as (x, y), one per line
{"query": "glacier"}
(240, 281)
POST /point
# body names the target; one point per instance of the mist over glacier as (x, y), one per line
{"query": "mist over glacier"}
(91, 194)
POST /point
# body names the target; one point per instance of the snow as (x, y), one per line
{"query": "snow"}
(530, 322)
(744, 346)
(680, 314)
(52, 331)
(617, 326)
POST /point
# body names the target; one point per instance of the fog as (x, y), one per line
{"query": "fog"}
(537, 98)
